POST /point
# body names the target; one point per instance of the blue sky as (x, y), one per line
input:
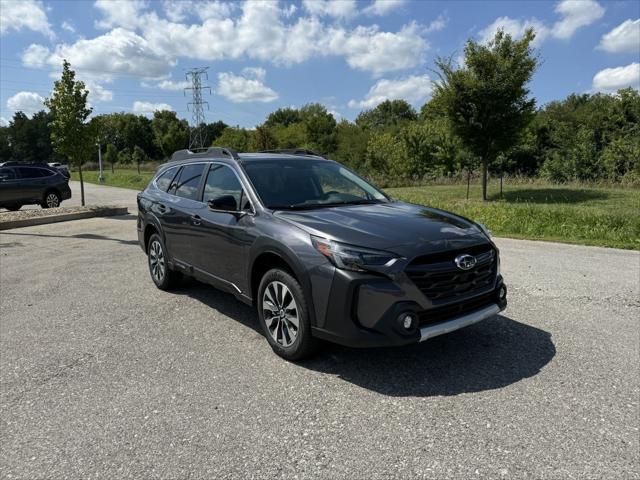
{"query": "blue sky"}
(347, 55)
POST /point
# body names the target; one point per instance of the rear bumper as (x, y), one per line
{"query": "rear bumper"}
(364, 311)
(65, 192)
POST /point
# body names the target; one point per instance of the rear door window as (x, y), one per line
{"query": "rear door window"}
(29, 172)
(164, 180)
(187, 185)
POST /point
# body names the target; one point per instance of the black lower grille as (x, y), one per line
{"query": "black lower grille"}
(442, 314)
(440, 280)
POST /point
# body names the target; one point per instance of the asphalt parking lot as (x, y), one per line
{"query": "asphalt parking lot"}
(104, 376)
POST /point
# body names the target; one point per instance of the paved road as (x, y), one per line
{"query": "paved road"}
(104, 376)
(98, 195)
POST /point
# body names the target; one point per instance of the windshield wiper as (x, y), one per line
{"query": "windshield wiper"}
(311, 206)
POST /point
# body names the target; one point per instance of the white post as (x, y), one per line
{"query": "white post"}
(100, 177)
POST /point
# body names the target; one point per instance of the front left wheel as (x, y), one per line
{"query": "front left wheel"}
(284, 315)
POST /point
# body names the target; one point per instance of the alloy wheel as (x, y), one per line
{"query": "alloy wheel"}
(280, 313)
(52, 200)
(156, 261)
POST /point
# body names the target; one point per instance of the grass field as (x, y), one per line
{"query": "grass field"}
(608, 217)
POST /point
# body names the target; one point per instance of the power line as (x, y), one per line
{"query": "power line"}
(197, 138)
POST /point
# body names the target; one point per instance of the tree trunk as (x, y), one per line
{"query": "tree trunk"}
(484, 179)
(112, 167)
(468, 181)
(138, 168)
(501, 177)
(81, 184)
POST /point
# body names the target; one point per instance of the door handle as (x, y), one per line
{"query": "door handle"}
(196, 220)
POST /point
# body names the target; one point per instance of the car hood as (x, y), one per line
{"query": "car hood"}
(400, 227)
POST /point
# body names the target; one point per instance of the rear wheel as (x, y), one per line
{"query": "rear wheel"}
(51, 199)
(161, 274)
(284, 315)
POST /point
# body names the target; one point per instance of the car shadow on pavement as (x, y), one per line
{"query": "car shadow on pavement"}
(489, 355)
(492, 354)
(87, 236)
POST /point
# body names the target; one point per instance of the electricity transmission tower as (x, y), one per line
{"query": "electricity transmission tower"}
(197, 138)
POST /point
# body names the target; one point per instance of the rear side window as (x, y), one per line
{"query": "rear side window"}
(7, 174)
(187, 185)
(27, 172)
(164, 180)
(43, 172)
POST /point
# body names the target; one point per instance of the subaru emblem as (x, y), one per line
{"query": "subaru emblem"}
(465, 261)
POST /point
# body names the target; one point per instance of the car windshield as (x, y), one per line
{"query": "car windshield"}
(306, 184)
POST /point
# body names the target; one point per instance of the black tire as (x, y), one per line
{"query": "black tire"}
(163, 277)
(51, 199)
(303, 345)
(13, 208)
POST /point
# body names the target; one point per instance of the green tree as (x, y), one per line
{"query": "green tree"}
(71, 135)
(262, 139)
(283, 116)
(169, 133)
(30, 138)
(214, 130)
(386, 157)
(5, 145)
(124, 157)
(320, 127)
(138, 156)
(111, 155)
(351, 144)
(487, 100)
(294, 135)
(389, 114)
(234, 137)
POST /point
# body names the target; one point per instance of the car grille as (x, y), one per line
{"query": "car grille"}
(442, 314)
(441, 281)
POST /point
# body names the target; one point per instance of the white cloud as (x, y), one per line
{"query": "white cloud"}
(27, 102)
(261, 33)
(179, 10)
(248, 87)
(438, 24)
(576, 14)
(341, 9)
(369, 49)
(97, 93)
(625, 38)
(613, 79)
(68, 27)
(4, 122)
(146, 108)
(383, 7)
(19, 14)
(173, 85)
(515, 28)
(120, 13)
(118, 52)
(414, 89)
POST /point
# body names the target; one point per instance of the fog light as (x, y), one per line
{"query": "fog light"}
(408, 321)
(503, 292)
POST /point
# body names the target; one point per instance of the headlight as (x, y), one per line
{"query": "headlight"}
(350, 257)
(484, 229)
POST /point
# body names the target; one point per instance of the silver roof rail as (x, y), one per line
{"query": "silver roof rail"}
(215, 152)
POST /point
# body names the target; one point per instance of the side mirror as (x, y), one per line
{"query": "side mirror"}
(225, 203)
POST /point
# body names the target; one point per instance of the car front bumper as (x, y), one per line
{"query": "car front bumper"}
(363, 310)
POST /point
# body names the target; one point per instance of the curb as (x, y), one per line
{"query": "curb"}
(64, 217)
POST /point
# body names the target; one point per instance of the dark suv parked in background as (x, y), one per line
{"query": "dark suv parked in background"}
(319, 251)
(31, 183)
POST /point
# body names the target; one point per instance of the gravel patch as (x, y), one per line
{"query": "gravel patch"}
(22, 218)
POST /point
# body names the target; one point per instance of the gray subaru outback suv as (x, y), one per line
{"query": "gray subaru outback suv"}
(320, 252)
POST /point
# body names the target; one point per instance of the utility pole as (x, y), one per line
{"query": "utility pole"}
(100, 177)
(197, 138)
